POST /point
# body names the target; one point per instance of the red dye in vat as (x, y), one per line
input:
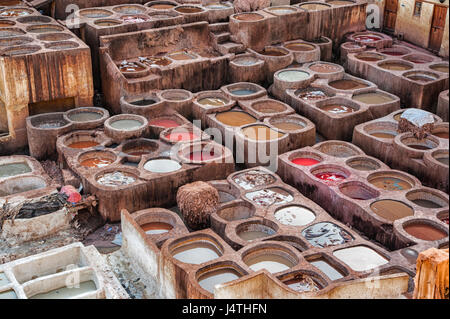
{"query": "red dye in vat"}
(330, 177)
(367, 38)
(304, 161)
(181, 136)
(203, 155)
(164, 123)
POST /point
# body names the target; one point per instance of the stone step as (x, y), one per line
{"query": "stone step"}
(230, 47)
(222, 37)
(219, 27)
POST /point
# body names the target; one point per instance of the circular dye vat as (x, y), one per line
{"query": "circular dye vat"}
(326, 234)
(44, 28)
(96, 162)
(314, 6)
(126, 125)
(84, 116)
(421, 77)
(419, 59)
(134, 19)
(426, 203)
(330, 177)
(357, 190)
(390, 183)
(143, 102)
(373, 98)
(253, 178)
(288, 126)
(369, 57)
(212, 101)
(246, 61)
(235, 118)
(162, 166)
(261, 133)
(15, 41)
(395, 66)
(83, 144)
(337, 109)
(384, 134)
(305, 161)
(302, 283)
(162, 6)
(293, 76)
(347, 85)
(167, 123)
(269, 107)
(204, 155)
(255, 231)
(440, 68)
(330, 271)
(156, 61)
(95, 13)
(181, 56)
(181, 136)
(395, 51)
(295, 216)
(116, 179)
(273, 263)
(242, 92)
(363, 164)
(196, 252)
(391, 209)
(107, 23)
(270, 196)
(217, 277)
(324, 68)
(15, 12)
(51, 124)
(311, 94)
(189, 10)
(281, 10)
(156, 228)
(360, 258)
(249, 17)
(441, 135)
(10, 32)
(299, 47)
(367, 38)
(424, 231)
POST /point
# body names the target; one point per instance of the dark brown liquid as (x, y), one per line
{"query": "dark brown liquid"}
(249, 17)
(384, 135)
(441, 135)
(347, 85)
(419, 147)
(425, 232)
(189, 10)
(426, 203)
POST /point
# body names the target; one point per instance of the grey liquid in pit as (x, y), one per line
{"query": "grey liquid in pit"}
(242, 92)
(196, 253)
(426, 203)
(85, 116)
(66, 292)
(326, 234)
(267, 197)
(3, 280)
(217, 277)
(271, 262)
(13, 169)
(126, 124)
(327, 269)
(9, 294)
(251, 235)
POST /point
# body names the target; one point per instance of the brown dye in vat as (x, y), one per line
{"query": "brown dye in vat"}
(421, 78)
(181, 56)
(391, 209)
(188, 10)
(212, 101)
(301, 47)
(156, 228)
(272, 52)
(83, 144)
(249, 17)
(251, 235)
(372, 98)
(420, 147)
(288, 126)
(324, 68)
(390, 183)
(96, 162)
(337, 109)
(314, 6)
(424, 232)
(261, 133)
(443, 160)
(441, 135)
(395, 66)
(389, 135)
(440, 68)
(235, 118)
(162, 6)
(347, 85)
(369, 58)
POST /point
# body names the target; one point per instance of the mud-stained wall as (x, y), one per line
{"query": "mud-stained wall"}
(416, 29)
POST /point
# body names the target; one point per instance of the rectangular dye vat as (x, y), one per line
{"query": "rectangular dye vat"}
(44, 68)
(93, 22)
(192, 63)
(203, 264)
(301, 21)
(69, 272)
(386, 205)
(415, 77)
(426, 158)
(335, 101)
(137, 173)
